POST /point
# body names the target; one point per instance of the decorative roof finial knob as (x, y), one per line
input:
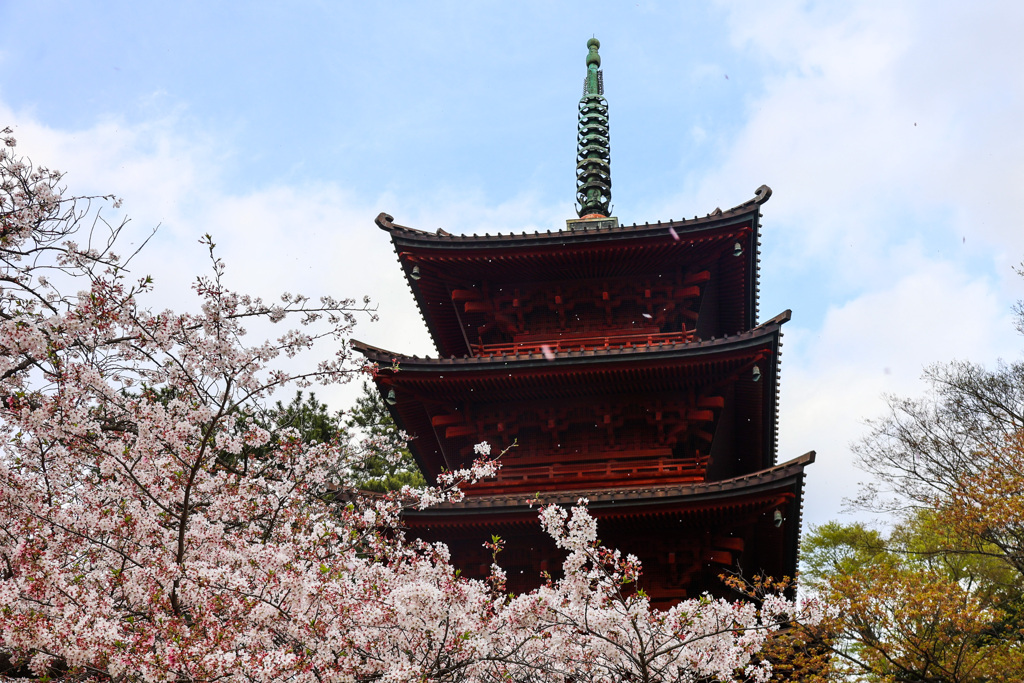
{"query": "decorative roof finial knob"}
(592, 57)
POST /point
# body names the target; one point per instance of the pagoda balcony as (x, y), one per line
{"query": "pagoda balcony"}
(532, 474)
(584, 343)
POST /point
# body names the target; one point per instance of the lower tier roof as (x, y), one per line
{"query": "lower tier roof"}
(686, 536)
(624, 501)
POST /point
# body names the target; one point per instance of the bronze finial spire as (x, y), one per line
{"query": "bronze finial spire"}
(593, 170)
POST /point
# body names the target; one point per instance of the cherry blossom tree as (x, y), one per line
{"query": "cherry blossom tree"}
(153, 528)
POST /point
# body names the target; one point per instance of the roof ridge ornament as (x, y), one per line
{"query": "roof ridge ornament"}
(593, 156)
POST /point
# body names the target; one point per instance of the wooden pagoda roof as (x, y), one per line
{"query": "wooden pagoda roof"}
(448, 240)
(437, 262)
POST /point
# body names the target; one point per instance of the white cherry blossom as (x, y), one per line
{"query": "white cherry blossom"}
(152, 529)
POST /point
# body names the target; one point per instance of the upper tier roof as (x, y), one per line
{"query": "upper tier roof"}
(437, 262)
(444, 239)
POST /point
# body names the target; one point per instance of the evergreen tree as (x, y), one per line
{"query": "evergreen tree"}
(384, 462)
(388, 465)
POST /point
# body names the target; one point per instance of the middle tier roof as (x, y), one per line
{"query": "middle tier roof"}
(448, 404)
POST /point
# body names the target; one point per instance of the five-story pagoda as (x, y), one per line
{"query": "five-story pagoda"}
(625, 363)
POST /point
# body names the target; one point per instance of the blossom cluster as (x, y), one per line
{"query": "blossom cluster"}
(152, 528)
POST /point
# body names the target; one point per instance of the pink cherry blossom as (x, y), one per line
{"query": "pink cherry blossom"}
(152, 528)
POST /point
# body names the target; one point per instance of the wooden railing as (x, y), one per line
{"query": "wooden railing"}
(571, 475)
(609, 341)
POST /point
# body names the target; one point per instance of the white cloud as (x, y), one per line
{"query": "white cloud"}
(890, 134)
(871, 106)
(314, 239)
(835, 377)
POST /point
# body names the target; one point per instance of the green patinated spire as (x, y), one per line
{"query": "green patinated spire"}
(593, 156)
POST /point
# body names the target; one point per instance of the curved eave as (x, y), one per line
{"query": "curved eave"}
(624, 501)
(411, 236)
(780, 487)
(520, 361)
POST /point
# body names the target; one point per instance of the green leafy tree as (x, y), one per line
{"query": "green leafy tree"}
(911, 608)
(939, 595)
(313, 419)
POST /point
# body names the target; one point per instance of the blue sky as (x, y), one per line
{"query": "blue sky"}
(890, 133)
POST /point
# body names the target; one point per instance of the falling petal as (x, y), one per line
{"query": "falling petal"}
(548, 353)
(672, 231)
(648, 316)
